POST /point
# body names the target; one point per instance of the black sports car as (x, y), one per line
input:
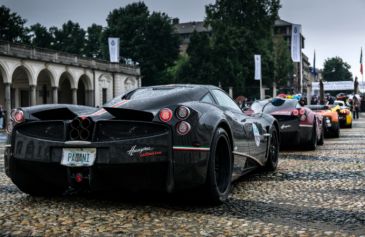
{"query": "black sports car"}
(170, 138)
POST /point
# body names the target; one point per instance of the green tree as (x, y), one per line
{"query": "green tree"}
(145, 38)
(170, 74)
(198, 66)
(40, 36)
(241, 29)
(93, 44)
(335, 69)
(12, 26)
(70, 38)
(282, 61)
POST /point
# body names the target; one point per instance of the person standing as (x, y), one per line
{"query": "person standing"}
(241, 101)
(1, 117)
(356, 107)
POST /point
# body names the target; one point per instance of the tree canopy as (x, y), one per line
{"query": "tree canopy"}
(69, 38)
(240, 29)
(11, 26)
(335, 69)
(283, 65)
(40, 36)
(145, 38)
(93, 47)
(198, 66)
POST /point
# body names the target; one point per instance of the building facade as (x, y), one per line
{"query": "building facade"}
(31, 76)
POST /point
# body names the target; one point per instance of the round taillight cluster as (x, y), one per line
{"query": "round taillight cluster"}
(182, 113)
(165, 115)
(295, 112)
(302, 114)
(183, 128)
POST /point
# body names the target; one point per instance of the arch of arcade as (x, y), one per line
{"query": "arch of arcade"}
(30, 76)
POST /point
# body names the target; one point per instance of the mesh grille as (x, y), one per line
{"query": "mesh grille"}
(52, 130)
(117, 130)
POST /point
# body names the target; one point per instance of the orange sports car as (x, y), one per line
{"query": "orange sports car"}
(331, 122)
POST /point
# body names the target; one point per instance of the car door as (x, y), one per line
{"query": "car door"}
(241, 126)
(260, 137)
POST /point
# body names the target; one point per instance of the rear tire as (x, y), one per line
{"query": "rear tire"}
(273, 151)
(337, 132)
(321, 140)
(312, 144)
(219, 175)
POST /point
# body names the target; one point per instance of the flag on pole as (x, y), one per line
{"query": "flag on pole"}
(113, 49)
(295, 43)
(314, 64)
(361, 69)
(257, 67)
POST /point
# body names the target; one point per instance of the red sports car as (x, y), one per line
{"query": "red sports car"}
(298, 125)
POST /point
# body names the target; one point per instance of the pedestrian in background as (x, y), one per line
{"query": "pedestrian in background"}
(241, 101)
(356, 107)
(2, 114)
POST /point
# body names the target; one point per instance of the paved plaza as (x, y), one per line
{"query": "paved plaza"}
(313, 193)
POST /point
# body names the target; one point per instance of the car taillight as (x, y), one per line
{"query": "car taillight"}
(346, 112)
(18, 116)
(295, 112)
(182, 112)
(165, 115)
(183, 128)
(302, 114)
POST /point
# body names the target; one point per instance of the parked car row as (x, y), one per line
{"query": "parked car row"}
(191, 138)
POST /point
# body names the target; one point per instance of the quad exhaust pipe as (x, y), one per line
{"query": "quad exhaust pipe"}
(80, 129)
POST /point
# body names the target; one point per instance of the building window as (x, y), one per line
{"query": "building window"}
(105, 95)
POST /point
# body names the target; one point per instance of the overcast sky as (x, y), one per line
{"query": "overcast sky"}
(331, 27)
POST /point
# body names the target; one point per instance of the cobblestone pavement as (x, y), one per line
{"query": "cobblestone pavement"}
(319, 193)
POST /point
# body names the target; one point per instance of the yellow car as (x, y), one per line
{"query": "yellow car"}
(344, 114)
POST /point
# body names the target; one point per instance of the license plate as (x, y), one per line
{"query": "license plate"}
(78, 157)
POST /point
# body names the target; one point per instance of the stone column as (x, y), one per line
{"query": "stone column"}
(74, 96)
(7, 102)
(16, 97)
(55, 95)
(89, 97)
(33, 95)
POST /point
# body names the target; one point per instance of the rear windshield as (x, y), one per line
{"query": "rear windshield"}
(150, 92)
(269, 106)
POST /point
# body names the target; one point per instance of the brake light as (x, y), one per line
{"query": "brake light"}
(165, 115)
(18, 116)
(182, 112)
(183, 128)
(295, 112)
(302, 111)
(343, 111)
